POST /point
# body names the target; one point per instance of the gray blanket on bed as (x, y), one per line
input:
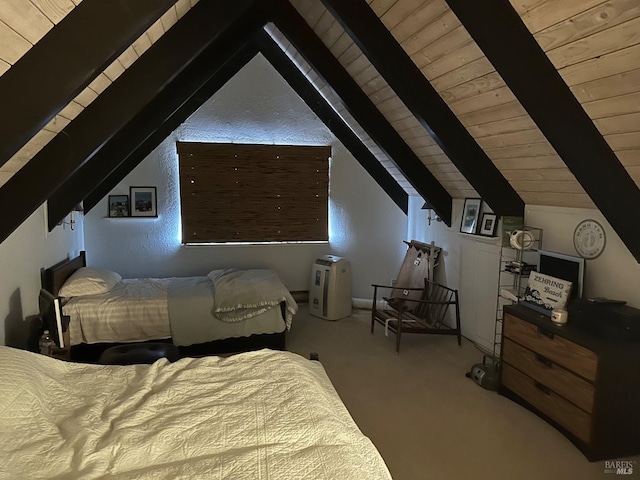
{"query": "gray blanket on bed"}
(197, 305)
(242, 294)
(190, 305)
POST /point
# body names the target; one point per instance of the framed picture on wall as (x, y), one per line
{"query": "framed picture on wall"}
(143, 202)
(489, 224)
(470, 213)
(118, 205)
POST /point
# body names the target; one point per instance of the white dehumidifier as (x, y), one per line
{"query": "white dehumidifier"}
(330, 290)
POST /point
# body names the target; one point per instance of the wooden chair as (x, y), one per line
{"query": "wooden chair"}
(417, 310)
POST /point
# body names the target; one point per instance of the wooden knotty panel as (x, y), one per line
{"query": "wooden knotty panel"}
(594, 20)
(458, 70)
(25, 19)
(602, 67)
(595, 46)
(17, 36)
(253, 193)
(551, 12)
(476, 93)
(602, 88)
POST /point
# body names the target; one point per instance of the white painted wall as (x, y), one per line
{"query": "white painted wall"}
(614, 274)
(470, 263)
(256, 106)
(22, 256)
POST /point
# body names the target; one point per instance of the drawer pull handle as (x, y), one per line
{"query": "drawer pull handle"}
(543, 389)
(544, 360)
(542, 331)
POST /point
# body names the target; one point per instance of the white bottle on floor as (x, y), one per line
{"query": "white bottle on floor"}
(45, 344)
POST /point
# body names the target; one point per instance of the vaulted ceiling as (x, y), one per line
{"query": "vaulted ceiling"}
(518, 102)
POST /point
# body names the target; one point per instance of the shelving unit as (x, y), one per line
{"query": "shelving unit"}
(513, 276)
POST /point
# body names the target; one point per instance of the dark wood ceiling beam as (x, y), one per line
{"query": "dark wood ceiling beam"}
(223, 73)
(199, 76)
(316, 102)
(318, 56)
(67, 59)
(498, 30)
(411, 86)
(116, 106)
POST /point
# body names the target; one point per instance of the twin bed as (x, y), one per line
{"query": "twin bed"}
(262, 414)
(227, 310)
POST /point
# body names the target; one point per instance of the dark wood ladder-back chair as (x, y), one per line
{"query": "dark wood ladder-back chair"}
(416, 304)
(425, 314)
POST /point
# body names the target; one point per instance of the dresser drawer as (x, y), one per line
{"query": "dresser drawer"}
(559, 350)
(554, 406)
(542, 370)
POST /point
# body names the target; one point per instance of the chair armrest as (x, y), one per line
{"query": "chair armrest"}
(415, 300)
(377, 286)
(428, 302)
(396, 286)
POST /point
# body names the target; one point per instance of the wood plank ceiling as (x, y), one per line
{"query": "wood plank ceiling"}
(594, 45)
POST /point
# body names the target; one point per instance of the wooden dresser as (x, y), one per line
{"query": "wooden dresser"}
(583, 377)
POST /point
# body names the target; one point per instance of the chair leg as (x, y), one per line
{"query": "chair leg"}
(459, 331)
(373, 308)
(398, 334)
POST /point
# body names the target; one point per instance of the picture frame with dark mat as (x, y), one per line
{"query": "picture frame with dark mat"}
(143, 202)
(489, 224)
(470, 214)
(118, 206)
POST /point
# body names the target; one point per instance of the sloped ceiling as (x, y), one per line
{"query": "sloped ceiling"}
(565, 133)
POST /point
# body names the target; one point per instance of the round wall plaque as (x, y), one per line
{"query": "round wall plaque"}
(589, 239)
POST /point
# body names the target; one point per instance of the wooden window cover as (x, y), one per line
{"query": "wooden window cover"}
(253, 193)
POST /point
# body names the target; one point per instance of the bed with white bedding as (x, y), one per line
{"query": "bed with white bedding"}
(226, 304)
(107, 317)
(181, 308)
(257, 415)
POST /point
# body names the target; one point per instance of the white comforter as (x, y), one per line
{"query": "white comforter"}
(259, 415)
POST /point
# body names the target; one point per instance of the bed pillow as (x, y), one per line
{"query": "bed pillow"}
(89, 281)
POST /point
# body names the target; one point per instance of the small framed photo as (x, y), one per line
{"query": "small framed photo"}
(118, 205)
(489, 224)
(469, 222)
(143, 202)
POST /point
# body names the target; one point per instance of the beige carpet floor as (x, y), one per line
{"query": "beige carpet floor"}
(426, 418)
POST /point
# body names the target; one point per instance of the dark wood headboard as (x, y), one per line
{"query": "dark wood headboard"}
(54, 277)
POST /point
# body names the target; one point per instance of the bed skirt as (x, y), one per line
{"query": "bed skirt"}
(90, 353)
